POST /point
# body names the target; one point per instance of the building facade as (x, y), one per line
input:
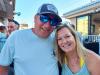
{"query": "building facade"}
(6, 10)
(23, 26)
(86, 18)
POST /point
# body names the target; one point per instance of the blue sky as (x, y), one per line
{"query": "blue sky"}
(28, 8)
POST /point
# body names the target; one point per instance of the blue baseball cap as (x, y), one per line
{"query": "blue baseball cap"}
(49, 9)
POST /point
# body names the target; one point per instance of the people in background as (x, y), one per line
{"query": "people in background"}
(6, 31)
(31, 50)
(2, 29)
(2, 35)
(12, 26)
(75, 59)
(78, 33)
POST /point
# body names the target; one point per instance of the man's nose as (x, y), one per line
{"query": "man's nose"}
(9, 28)
(47, 24)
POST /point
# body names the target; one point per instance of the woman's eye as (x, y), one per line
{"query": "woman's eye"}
(59, 39)
(67, 36)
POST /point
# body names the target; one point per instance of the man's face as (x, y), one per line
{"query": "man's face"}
(11, 27)
(44, 29)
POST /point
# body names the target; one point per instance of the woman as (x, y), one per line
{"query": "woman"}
(74, 58)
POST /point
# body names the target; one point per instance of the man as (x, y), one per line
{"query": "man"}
(12, 26)
(32, 49)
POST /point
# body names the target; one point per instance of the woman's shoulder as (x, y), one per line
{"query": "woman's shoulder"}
(93, 62)
(92, 56)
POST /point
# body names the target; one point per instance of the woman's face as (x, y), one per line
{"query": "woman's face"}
(66, 40)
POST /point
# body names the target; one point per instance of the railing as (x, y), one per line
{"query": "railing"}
(93, 40)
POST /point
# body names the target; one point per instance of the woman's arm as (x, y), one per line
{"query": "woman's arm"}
(93, 63)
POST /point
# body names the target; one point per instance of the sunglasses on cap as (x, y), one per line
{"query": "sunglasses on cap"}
(53, 21)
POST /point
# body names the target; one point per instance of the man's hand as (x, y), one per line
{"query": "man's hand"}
(3, 70)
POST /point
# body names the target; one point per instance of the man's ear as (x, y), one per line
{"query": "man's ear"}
(35, 17)
(18, 27)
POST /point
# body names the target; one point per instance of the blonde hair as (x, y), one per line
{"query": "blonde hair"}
(81, 50)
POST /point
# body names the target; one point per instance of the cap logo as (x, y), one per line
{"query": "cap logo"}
(52, 8)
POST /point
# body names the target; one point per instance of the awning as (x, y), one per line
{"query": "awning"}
(87, 9)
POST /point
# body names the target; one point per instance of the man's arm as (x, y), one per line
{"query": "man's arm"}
(3, 70)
